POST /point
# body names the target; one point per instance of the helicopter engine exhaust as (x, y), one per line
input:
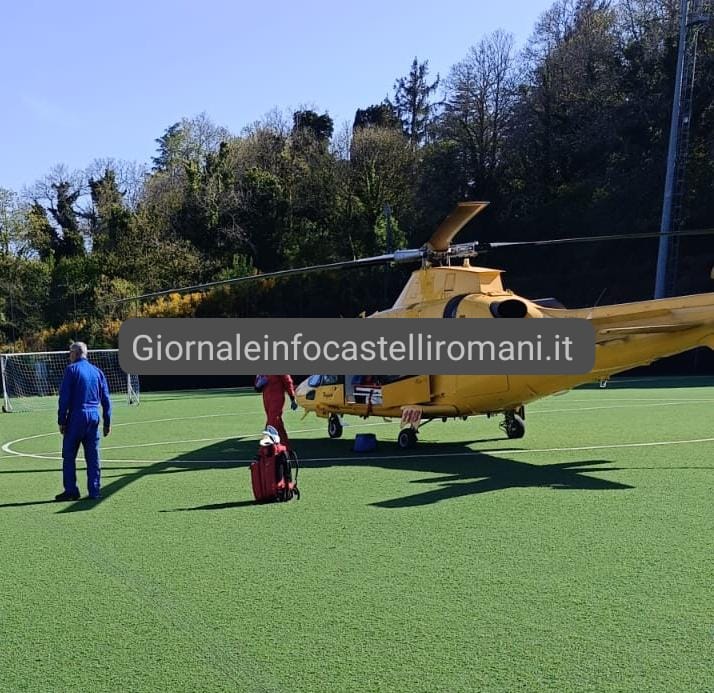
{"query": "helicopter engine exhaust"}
(510, 308)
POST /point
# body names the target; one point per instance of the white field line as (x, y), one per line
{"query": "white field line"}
(474, 453)
(509, 451)
(654, 378)
(7, 447)
(633, 399)
(515, 451)
(226, 438)
(311, 430)
(178, 418)
(577, 410)
(165, 442)
(655, 402)
(203, 416)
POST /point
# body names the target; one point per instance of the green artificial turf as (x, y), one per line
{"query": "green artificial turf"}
(575, 559)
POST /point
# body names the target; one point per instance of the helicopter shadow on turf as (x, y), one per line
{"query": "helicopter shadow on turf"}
(460, 470)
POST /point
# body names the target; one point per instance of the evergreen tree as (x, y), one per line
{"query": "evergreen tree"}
(412, 102)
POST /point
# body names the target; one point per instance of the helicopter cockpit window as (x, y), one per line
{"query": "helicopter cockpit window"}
(317, 380)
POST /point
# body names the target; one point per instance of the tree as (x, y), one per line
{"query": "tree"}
(42, 236)
(24, 289)
(208, 216)
(130, 177)
(412, 102)
(169, 148)
(382, 165)
(319, 126)
(262, 216)
(189, 140)
(565, 124)
(191, 194)
(109, 218)
(14, 225)
(57, 198)
(380, 115)
(68, 242)
(479, 100)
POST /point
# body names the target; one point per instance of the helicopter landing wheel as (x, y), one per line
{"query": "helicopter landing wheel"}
(407, 438)
(334, 426)
(513, 424)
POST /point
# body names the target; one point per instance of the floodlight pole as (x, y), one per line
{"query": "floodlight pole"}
(666, 222)
(387, 211)
(678, 139)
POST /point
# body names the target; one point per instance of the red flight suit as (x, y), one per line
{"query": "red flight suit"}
(274, 401)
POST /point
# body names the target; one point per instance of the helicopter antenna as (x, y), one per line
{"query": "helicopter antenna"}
(597, 303)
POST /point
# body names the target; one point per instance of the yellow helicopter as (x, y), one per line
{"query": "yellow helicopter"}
(627, 335)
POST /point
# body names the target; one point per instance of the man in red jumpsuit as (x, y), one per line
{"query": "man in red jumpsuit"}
(274, 400)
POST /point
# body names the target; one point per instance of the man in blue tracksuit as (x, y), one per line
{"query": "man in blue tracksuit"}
(83, 390)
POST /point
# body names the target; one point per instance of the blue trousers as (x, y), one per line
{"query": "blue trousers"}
(82, 429)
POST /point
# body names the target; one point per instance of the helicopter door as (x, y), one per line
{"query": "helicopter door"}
(473, 388)
(411, 389)
(330, 391)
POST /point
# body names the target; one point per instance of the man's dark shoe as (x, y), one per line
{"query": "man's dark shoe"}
(95, 496)
(66, 496)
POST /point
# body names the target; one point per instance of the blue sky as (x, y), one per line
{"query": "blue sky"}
(88, 80)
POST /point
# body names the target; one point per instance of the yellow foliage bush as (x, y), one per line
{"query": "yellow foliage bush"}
(172, 306)
(61, 337)
(106, 332)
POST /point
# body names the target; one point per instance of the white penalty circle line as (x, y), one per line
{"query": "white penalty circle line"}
(7, 447)
(509, 451)
(15, 453)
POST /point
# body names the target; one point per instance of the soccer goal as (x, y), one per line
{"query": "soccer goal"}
(31, 381)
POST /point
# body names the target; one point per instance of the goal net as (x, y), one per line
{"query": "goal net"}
(31, 381)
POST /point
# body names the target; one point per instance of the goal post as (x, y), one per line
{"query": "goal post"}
(5, 397)
(31, 380)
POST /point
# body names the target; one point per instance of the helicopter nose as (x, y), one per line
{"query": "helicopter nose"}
(301, 393)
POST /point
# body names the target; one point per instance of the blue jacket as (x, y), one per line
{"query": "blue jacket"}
(84, 388)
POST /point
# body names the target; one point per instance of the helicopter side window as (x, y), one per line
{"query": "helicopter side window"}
(387, 379)
(318, 380)
(365, 389)
(366, 380)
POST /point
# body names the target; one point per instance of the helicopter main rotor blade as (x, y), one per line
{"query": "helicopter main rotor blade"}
(462, 214)
(591, 239)
(345, 264)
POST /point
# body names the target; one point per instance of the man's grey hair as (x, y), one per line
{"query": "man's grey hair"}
(80, 348)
